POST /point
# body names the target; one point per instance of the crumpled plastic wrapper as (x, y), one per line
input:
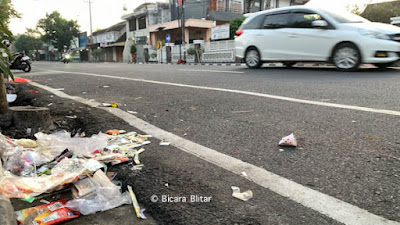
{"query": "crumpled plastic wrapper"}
(288, 141)
(65, 172)
(60, 141)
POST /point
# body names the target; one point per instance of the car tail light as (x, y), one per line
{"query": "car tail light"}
(239, 32)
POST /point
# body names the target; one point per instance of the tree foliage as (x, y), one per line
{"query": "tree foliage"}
(28, 43)
(382, 12)
(234, 26)
(57, 30)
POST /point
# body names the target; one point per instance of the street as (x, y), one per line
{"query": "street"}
(346, 125)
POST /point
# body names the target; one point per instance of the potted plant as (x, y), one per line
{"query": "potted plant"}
(133, 52)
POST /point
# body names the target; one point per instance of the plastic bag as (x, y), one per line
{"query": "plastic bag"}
(65, 172)
(60, 141)
(106, 198)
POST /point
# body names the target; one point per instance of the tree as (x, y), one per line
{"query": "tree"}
(234, 26)
(6, 12)
(28, 43)
(382, 12)
(57, 30)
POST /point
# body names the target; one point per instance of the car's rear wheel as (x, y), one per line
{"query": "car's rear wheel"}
(346, 57)
(253, 58)
(383, 65)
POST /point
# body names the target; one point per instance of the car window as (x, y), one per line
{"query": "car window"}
(253, 23)
(304, 20)
(276, 21)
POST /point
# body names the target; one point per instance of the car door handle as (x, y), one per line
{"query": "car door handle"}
(292, 36)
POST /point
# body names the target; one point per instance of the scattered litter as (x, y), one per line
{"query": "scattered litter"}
(245, 196)
(184, 134)
(166, 185)
(72, 117)
(281, 150)
(84, 93)
(32, 91)
(44, 201)
(58, 89)
(288, 141)
(106, 86)
(51, 213)
(138, 98)
(249, 111)
(11, 98)
(353, 121)
(137, 167)
(50, 104)
(112, 104)
(132, 112)
(164, 143)
(383, 154)
(30, 200)
(26, 143)
(28, 130)
(135, 203)
(244, 174)
(49, 164)
(192, 108)
(20, 80)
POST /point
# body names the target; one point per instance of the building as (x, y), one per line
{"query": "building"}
(223, 11)
(107, 45)
(195, 29)
(137, 26)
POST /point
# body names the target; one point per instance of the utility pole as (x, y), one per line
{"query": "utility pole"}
(90, 14)
(183, 30)
(179, 28)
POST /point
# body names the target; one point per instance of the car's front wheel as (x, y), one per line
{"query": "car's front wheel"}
(346, 57)
(253, 58)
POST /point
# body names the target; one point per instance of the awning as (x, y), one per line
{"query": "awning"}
(117, 44)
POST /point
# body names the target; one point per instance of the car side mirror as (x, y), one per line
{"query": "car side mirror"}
(319, 23)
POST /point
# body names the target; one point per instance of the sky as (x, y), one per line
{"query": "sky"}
(104, 12)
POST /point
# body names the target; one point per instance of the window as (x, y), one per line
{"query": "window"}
(304, 20)
(142, 22)
(276, 21)
(254, 23)
(132, 25)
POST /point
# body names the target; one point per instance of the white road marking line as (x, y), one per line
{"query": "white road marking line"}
(212, 71)
(277, 97)
(334, 208)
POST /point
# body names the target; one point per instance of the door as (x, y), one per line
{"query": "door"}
(271, 37)
(307, 42)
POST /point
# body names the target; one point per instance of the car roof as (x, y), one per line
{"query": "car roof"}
(279, 10)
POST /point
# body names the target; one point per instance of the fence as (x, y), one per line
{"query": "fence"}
(214, 52)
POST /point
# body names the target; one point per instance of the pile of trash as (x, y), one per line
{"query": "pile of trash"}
(57, 161)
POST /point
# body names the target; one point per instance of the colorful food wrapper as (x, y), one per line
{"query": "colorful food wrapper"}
(48, 214)
(288, 141)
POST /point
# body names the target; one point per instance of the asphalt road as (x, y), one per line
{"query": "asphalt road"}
(343, 151)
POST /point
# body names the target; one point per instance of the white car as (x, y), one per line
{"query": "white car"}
(303, 34)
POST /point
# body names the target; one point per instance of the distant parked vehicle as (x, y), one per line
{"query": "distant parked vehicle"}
(304, 34)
